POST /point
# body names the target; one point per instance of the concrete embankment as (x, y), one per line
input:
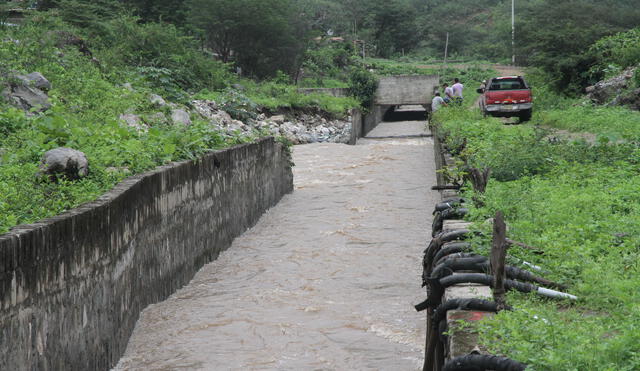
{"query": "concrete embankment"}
(73, 286)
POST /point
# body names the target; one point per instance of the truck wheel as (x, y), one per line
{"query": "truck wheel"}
(525, 115)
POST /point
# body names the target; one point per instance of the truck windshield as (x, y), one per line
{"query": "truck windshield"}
(507, 84)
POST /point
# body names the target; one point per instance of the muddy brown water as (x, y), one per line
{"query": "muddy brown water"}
(326, 280)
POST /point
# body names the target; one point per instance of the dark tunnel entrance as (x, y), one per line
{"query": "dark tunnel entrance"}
(405, 113)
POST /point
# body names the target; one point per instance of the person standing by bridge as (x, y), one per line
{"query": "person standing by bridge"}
(457, 91)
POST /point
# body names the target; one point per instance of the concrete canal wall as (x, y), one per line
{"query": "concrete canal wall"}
(72, 287)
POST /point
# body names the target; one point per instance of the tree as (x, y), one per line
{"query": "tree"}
(262, 36)
(555, 35)
(171, 11)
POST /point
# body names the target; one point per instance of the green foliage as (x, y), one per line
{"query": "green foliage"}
(88, 14)
(392, 26)
(169, 11)
(564, 58)
(161, 54)
(578, 202)
(87, 100)
(275, 96)
(327, 62)
(363, 85)
(610, 123)
(581, 216)
(475, 27)
(274, 40)
(621, 50)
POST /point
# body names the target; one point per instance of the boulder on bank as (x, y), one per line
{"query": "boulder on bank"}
(610, 91)
(27, 92)
(157, 100)
(180, 116)
(66, 162)
(36, 80)
(133, 121)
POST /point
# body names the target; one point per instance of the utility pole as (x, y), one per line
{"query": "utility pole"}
(513, 32)
(446, 49)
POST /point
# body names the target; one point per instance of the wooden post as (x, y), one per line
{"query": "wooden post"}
(498, 256)
(479, 179)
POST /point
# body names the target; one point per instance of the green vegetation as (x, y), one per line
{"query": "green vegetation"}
(556, 36)
(275, 96)
(617, 52)
(610, 123)
(575, 199)
(580, 205)
(584, 217)
(86, 106)
(88, 57)
(265, 36)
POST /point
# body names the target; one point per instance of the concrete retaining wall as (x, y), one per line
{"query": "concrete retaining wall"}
(72, 286)
(460, 340)
(363, 123)
(409, 89)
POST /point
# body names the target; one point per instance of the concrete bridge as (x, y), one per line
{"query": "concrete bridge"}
(398, 98)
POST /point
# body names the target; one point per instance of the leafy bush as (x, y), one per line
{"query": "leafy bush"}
(163, 47)
(621, 50)
(326, 62)
(363, 86)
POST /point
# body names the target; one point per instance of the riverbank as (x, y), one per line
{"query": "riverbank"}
(576, 202)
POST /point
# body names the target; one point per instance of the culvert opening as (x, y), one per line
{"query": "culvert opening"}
(405, 113)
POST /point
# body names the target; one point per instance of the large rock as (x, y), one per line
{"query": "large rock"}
(210, 111)
(133, 121)
(630, 99)
(278, 119)
(180, 116)
(157, 100)
(29, 98)
(607, 91)
(66, 162)
(36, 80)
(205, 108)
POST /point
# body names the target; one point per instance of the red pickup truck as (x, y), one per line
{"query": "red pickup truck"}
(506, 96)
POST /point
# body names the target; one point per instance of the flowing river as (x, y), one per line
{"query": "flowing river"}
(326, 280)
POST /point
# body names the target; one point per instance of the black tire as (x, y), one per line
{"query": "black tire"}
(525, 115)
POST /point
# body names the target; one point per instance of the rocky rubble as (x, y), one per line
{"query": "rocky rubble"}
(300, 128)
(29, 93)
(615, 91)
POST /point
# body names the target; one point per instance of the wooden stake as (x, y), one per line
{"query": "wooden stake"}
(479, 179)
